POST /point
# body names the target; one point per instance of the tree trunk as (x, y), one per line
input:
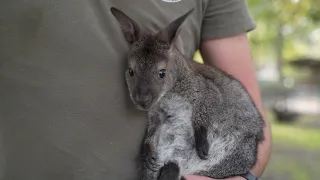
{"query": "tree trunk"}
(279, 51)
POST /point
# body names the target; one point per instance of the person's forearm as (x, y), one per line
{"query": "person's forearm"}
(233, 56)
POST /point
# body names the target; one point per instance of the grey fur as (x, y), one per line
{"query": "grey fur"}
(191, 98)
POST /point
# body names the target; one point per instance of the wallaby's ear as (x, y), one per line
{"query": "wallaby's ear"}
(128, 26)
(169, 33)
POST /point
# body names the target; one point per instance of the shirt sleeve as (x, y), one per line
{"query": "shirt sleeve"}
(223, 18)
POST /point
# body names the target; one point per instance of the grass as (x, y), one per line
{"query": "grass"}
(295, 153)
(294, 135)
(302, 137)
(287, 166)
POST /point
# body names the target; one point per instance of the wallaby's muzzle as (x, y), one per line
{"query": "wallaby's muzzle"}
(143, 100)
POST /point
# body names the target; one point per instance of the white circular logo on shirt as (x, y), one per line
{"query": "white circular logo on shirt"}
(171, 1)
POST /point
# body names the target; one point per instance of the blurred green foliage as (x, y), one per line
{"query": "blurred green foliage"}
(283, 30)
(294, 19)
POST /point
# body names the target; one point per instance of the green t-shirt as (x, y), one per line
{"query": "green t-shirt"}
(64, 107)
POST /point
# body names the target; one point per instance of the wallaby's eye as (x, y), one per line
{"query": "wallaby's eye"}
(131, 72)
(162, 73)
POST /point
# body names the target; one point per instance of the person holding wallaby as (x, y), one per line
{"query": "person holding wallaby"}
(201, 120)
(65, 110)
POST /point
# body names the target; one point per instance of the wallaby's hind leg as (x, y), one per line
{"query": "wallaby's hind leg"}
(169, 171)
(201, 141)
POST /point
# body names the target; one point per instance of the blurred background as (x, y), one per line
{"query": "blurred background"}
(286, 50)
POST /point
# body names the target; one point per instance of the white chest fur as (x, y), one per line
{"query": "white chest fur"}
(176, 138)
(176, 141)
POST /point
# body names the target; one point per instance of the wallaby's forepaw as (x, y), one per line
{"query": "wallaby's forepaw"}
(202, 144)
(183, 178)
(169, 171)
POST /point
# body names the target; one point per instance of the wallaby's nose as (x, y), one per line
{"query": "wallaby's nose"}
(143, 99)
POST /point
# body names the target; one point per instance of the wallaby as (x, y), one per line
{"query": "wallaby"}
(201, 120)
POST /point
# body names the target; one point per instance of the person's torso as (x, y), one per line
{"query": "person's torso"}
(65, 113)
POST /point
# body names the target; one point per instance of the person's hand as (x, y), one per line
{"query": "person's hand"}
(193, 177)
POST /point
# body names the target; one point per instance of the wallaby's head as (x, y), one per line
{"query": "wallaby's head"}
(151, 70)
